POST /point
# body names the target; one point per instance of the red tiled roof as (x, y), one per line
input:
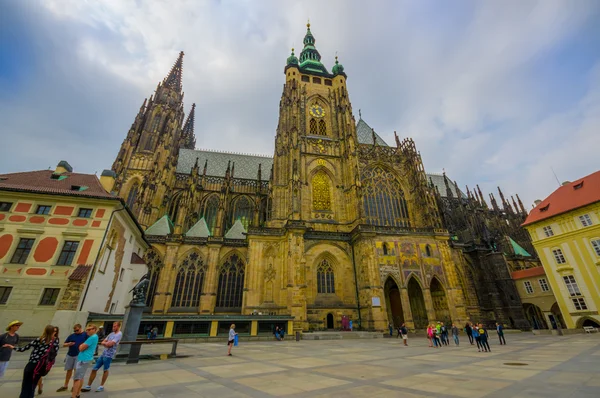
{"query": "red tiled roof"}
(571, 196)
(135, 259)
(527, 273)
(41, 182)
(80, 272)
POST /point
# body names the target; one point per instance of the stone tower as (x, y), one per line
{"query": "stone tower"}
(146, 164)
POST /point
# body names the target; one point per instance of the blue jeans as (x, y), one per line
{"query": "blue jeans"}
(455, 338)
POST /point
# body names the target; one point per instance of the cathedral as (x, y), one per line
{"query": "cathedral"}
(337, 225)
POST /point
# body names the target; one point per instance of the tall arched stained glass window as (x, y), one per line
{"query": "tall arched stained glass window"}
(325, 278)
(321, 192)
(231, 283)
(313, 127)
(243, 210)
(209, 212)
(133, 193)
(155, 265)
(188, 284)
(174, 206)
(383, 199)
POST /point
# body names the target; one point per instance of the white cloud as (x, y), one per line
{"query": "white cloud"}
(461, 80)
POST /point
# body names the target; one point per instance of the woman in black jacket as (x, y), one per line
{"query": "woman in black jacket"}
(45, 349)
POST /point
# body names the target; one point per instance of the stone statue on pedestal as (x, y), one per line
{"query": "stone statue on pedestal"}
(139, 290)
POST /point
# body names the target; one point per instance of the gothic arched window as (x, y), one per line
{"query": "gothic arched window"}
(133, 193)
(243, 210)
(385, 249)
(231, 283)
(209, 212)
(321, 193)
(383, 199)
(428, 250)
(313, 127)
(174, 206)
(155, 123)
(325, 278)
(155, 265)
(188, 284)
(322, 127)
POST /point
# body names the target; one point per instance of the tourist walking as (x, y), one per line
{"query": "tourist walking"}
(500, 331)
(40, 385)
(231, 339)
(436, 337)
(73, 341)
(391, 329)
(84, 358)
(475, 332)
(404, 331)
(455, 334)
(469, 332)
(8, 341)
(483, 337)
(40, 362)
(430, 335)
(110, 344)
(444, 334)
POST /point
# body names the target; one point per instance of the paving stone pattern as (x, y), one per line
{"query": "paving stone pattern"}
(554, 367)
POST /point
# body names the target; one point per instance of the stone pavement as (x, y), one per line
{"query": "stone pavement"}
(547, 366)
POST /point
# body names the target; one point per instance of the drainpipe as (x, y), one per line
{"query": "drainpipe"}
(98, 255)
(356, 287)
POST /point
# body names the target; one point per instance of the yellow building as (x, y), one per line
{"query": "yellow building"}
(53, 225)
(565, 230)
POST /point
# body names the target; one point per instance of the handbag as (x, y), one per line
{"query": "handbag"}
(235, 341)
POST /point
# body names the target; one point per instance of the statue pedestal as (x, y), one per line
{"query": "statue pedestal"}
(131, 325)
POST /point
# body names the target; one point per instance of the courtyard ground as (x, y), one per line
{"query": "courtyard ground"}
(529, 366)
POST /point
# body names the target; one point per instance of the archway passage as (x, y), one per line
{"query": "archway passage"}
(534, 315)
(329, 321)
(590, 322)
(440, 302)
(394, 303)
(417, 304)
(556, 318)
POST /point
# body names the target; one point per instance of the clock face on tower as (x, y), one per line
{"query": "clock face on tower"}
(317, 111)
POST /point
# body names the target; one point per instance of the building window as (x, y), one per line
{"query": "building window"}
(188, 284)
(385, 249)
(322, 127)
(321, 193)
(579, 304)
(22, 252)
(558, 256)
(544, 285)
(43, 209)
(121, 274)
(586, 221)
(316, 80)
(383, 199)
(85, 213)
(5, 206)
(572, 285)
(312, 127)
(243, 210)
(528, 287)
(231, 283)
(328, 82)
(548, 231)
(5, 294)
(428, 250)
(132, 196)
(68, 253)
(112, 308)
(210, 211)
(306, 79)
(596, 246)
(155, 265)
(49, 297)
(325, 278)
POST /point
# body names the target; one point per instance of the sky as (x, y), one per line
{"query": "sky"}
(496, 93)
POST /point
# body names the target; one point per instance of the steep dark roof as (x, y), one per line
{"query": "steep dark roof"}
(62, 184)
(246, 166)
(364, 134)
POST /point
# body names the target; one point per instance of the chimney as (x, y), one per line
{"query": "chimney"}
(537, 202)
(107, 179)
(62, 167)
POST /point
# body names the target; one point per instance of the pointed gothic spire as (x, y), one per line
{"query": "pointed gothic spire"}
(521, 206)
(504, 203)
(205, 167)
(494, 203)
(397, 140)
(173, 80)
(374, 136)
(468, 192)
(310, 55)
(483, 202)
(515, 204)
(189, 139)
(449, 193)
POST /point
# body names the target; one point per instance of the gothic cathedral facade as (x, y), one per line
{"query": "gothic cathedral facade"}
(336, 225)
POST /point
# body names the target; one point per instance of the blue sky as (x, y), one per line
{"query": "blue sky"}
(495, 93)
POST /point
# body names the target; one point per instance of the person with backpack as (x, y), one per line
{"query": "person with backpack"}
(483, 338)
(8, 341)
(45, 349)
(477, 338)
(40, 384)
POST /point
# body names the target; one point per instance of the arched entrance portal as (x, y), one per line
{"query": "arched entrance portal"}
(556, 318)
(417, 304)
(534, 316)
(588, 322)
(393, 303)
(440, 302)
(329, 321)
